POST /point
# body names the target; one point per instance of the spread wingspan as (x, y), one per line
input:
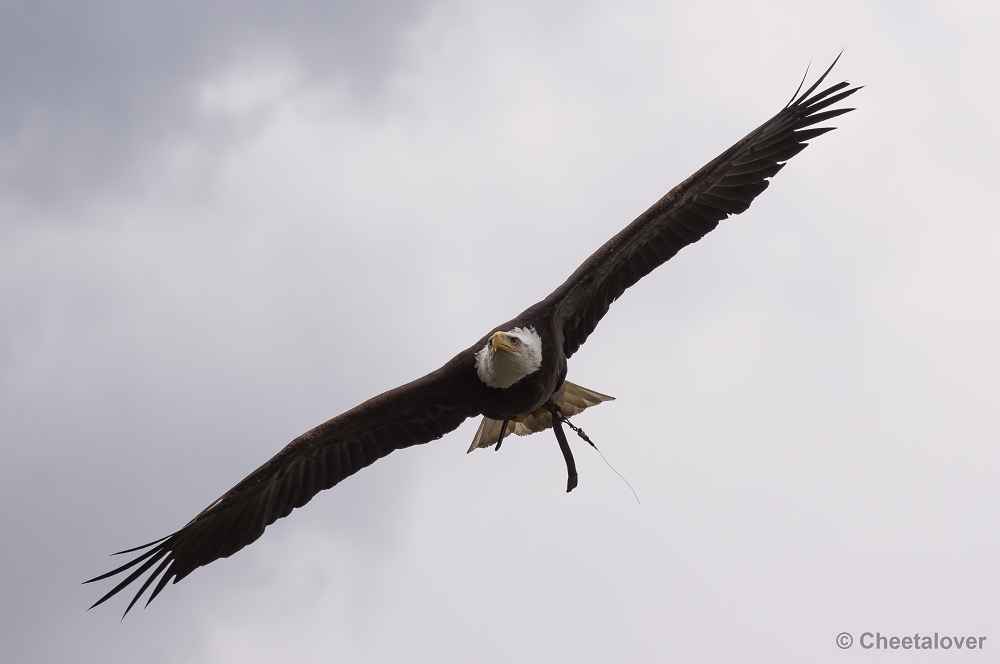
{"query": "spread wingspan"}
(432, 406)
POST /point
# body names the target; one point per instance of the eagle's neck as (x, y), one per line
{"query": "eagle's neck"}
(502, 368)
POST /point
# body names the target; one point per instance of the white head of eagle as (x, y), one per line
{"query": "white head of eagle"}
(509, 356)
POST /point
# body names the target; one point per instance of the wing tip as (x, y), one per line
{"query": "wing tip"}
(797, 99)
(158, 553)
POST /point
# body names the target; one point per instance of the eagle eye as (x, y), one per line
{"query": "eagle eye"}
(515, 341)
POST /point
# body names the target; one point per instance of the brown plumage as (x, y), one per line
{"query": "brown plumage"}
(438, 403)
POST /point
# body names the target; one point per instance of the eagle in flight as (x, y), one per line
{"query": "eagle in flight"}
(514, 377)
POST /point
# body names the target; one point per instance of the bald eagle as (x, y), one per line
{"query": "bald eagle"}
(514, 377)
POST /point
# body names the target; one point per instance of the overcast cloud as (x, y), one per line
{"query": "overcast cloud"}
(224, 223)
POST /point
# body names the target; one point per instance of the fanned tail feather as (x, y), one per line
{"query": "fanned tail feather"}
(571, 399)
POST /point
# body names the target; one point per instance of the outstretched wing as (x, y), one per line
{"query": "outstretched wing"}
(725, 186)
(415, 413)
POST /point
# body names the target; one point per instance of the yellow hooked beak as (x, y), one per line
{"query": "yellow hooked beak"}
(501, 342)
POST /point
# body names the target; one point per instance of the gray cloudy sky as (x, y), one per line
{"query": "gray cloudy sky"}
(223, 223)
